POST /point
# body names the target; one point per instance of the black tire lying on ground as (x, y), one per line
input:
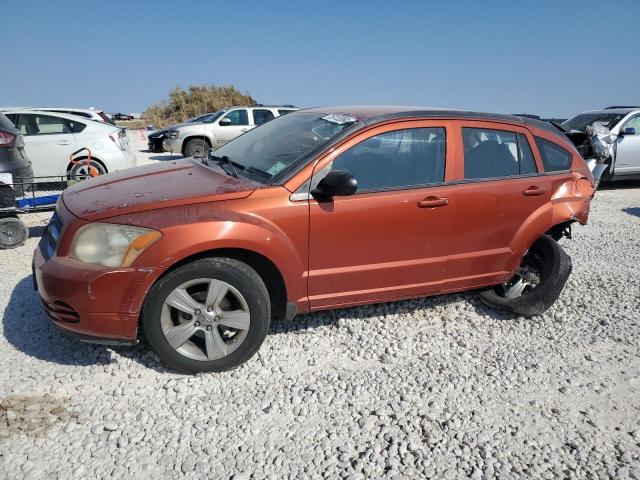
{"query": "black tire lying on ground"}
(553, 265)
(13, 233)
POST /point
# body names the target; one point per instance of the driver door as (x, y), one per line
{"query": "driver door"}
(390, 239)
(628, 149)
(48, 143)
(233, 124)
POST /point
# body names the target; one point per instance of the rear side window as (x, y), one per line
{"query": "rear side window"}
(554, 157)
(261, 116)
(395, 160)
(527, 162)
(75, 127)
(490, 153)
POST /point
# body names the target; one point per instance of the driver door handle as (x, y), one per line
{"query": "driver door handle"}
(64, 142)
(433, 202)
(244, 129)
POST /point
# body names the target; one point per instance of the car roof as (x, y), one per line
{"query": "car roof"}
(67, 116)
(372, 114)
(623, 110)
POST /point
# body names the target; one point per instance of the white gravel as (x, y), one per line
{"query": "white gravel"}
(441, 387)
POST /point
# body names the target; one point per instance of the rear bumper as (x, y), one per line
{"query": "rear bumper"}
(93, 303)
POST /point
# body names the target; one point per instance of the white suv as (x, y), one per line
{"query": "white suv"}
(51, 138)
(196, 139)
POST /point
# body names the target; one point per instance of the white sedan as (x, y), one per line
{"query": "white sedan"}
(51, 138)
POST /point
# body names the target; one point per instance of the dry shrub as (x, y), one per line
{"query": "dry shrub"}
(194, 101)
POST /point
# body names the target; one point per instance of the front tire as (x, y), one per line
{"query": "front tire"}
(196, 148)
(209, 315)
(538, 283)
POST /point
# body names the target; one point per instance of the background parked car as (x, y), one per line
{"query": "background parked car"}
(51, 138)
(613, 136)
(156, 138)
(121, 116)
(13, 159)
(196, 139)
(91, 113)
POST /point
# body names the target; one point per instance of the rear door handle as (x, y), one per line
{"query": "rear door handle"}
(244, 129)
(534, 191)
(433, 202)
(64, 142)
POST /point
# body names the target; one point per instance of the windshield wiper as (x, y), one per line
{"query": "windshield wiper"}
(225, 158)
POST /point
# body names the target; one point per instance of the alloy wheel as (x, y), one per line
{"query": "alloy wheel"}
(205, 319)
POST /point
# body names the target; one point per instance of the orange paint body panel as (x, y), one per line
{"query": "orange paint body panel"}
(368, 247)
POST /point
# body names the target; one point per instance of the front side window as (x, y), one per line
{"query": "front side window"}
(633, 123)
(398, 159)
(35, 124)
(237, 117)
(261, 116)
(492, 153)
(554, 158)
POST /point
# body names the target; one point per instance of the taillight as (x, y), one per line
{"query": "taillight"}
(6, 138)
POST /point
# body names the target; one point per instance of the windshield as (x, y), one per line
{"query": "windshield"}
(206, 118)
(278, 145)
(582, 121)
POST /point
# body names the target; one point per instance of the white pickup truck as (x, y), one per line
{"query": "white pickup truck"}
(196, 139)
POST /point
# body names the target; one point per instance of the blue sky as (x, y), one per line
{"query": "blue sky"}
(554, 58)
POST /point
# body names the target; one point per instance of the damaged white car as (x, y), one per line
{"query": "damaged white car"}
(609, 140)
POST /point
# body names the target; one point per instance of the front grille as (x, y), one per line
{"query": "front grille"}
(50, 239)
(61, 312)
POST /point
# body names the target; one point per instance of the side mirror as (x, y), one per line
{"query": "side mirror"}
(337, 183)
(225, 122)
(629, 131)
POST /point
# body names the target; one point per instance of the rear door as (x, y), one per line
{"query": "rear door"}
(628, 149)
(48, 143)
(499, 191)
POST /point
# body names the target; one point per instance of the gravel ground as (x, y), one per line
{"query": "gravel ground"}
(441, 387)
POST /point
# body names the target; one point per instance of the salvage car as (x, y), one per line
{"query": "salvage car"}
(51, 138)
(196, 139)
(610, 140)
(318, 209)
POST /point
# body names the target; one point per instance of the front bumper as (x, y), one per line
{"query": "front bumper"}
(91, 302)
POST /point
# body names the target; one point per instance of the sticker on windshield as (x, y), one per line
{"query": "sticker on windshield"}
(276, 168)
(339, 118)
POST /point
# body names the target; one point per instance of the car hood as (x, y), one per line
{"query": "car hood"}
(160, 185)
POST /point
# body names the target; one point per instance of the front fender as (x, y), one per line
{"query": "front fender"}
(231, 230)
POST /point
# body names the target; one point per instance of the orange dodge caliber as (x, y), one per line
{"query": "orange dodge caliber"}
(318, 209)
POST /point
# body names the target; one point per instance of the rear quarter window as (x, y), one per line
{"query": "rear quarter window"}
(554, 157)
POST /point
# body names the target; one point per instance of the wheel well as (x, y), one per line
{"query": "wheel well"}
(560, 230)
(269, 273)
(70, 166)
(186, 140)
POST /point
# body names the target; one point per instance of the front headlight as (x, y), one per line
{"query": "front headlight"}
(173, 134)
(111, 245)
